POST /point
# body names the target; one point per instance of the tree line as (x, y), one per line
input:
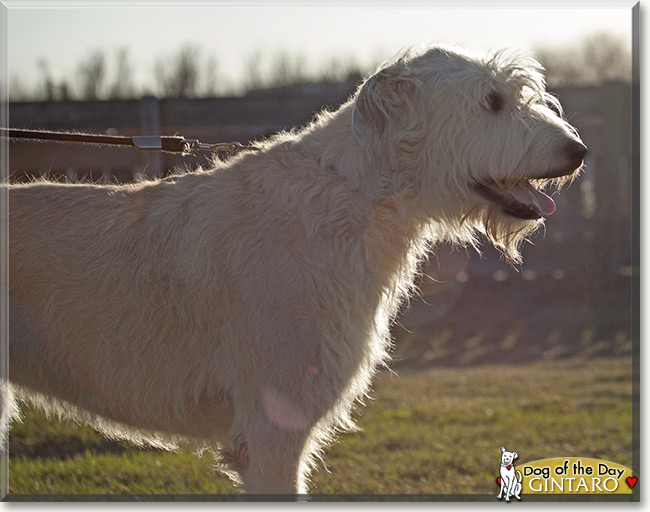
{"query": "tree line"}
(191, 72)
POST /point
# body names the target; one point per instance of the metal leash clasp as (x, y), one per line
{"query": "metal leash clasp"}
(182, 145)
(220, 147)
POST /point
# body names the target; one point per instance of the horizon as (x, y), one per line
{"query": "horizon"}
(313, 35)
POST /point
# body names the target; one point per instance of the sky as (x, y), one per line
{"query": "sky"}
(366, 32)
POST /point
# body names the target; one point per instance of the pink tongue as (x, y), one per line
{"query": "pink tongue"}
(528, 194)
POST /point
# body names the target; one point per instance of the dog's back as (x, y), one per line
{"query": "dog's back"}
(100, 316)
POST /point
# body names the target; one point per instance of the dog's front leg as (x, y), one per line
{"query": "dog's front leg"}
(500, 495)
(268, 457)
(509, 489)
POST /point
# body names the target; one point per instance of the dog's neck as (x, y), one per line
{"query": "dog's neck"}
(394, 237)
(336, 150)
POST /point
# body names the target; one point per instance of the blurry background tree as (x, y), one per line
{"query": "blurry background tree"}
(288, 69)
(48, 88)
(594, 60)
(285, 69)
(339, 68)
(91, 74)
(177, 76)
(254, 75)
(122, 86)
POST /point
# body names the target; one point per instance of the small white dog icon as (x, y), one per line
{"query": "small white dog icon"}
(510, 485)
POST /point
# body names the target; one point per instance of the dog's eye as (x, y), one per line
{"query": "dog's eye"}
(554, 107)
(495, 101)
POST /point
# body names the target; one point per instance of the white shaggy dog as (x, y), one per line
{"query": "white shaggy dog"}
(248, 306)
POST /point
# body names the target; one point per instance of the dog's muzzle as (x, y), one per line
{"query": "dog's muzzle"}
(571, 157)
(524, 200)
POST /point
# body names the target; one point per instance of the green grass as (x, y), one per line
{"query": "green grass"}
(435, 432)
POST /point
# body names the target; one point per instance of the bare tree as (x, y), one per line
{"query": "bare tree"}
(92, 75)
(254, 76)
(594, 60)
(288, 69)
(178, 76)
(46, 89)
(338, 69)
(608, 56)
(122, 85)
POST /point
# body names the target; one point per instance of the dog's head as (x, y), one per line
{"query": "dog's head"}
(475, 139)
(508, 457)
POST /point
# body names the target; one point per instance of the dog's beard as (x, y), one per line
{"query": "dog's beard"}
(505, 232)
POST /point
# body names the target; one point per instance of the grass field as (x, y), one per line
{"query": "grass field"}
(433, 432)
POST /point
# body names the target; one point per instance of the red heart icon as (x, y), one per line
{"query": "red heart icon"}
(631, 481)
(508, 467)
(499, 480)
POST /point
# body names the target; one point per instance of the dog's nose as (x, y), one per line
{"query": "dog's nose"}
(574, 151)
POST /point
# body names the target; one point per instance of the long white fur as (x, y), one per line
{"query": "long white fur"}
(248, 306)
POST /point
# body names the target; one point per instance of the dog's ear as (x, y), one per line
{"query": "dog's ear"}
(515, 455)
(382, 99)
(503, 449)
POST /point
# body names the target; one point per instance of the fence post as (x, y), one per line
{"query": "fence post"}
(612, 181)
(152, 162)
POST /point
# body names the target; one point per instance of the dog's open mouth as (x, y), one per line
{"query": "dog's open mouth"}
(523, 201)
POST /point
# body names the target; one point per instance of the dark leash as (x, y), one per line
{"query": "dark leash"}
(168, 144)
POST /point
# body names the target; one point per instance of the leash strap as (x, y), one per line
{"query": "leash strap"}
(168, 144)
